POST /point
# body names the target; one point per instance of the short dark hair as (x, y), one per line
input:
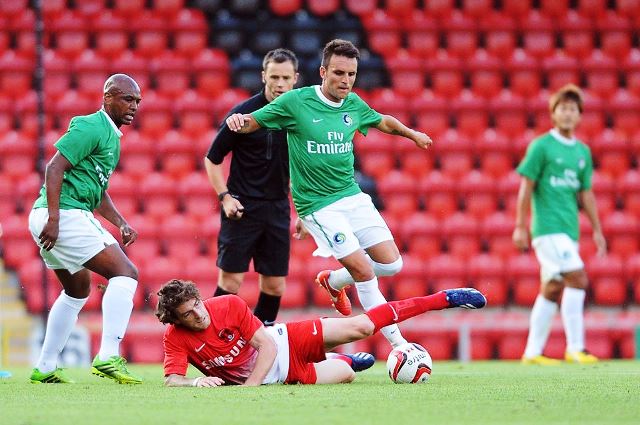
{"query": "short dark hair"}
(568, 92)
(171, 295)
(280, 56)
(339, 47)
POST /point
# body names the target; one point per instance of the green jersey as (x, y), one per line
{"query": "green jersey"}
(92, 146)
(560, 169)
(320, 143)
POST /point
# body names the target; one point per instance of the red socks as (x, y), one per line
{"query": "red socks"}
(399, 311)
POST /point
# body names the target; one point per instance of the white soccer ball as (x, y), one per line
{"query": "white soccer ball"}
(409, 363)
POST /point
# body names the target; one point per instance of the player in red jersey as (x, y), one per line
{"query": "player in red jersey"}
(224, 340)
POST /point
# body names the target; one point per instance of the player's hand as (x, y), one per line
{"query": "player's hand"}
(49, 234)
(301, 231)
(129, 235)
(236, 122)
(601, 244)
(232, 208)
(210, 381)
(422, 140)
(520, 238)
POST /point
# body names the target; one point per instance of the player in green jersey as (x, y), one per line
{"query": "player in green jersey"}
(321, 122)
(555, 169)
(73, 243)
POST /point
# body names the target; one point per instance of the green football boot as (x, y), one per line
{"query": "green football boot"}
(115, 368)
(56, 376)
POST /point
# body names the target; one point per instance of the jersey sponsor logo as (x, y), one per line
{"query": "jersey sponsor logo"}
(339, 238)
(347, 120)
(102, 176)
(221, 361)
(569, 179)
(335, 145)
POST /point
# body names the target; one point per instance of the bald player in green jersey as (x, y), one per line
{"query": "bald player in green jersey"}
(73, 243)
(556, 168)
(321, 122)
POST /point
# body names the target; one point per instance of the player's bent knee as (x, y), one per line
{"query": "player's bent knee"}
(390, 269)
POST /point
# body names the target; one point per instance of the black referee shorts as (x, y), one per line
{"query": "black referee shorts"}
(262, 234)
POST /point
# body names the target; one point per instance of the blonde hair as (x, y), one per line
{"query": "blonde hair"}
(568, 92)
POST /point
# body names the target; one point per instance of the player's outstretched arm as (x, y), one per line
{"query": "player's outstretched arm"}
(108, 210)
(392, 125)
(242, 123)
(174, 380)
(266, 347)
(53, 177)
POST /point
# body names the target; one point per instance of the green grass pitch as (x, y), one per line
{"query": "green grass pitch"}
(472, 393)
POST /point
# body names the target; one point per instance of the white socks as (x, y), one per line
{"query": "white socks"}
(62, 318)
(572, 308)
(117, 304)
(370, 296)
(539, 325)
(340, 278)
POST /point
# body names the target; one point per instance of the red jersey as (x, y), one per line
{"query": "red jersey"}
(222, 349)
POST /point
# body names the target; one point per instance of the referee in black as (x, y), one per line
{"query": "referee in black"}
(255, 214)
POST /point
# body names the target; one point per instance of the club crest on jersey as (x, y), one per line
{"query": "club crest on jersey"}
(339, 238)
(346, 119)
(226, 334)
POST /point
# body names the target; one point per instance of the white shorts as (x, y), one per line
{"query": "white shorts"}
(280, 368)
(81, 238)
(347, 225)
(557, 253)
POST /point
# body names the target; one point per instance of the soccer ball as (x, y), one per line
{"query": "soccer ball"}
(409, 363)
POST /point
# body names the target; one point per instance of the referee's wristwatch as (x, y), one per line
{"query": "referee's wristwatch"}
(221, 195)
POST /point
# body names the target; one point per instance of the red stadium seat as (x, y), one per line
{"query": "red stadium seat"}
(478, 193)
(446, 74)
(592, 8)
(477, 8)
(621, 230)
(177, 156)
(461, 35)
(22, 25)
(71, 34)
(437, 190)
(421, 233)
(630, 8)
(524, 74)
(376, 164)
(194, 113)
(52, 9)
(417, 165)
(197, 196)
(72, 104)
(156, 272)
(517, 8)
(609, 291)
(400, 8)
(181, 237)
(522, 267)
(460, 234)
(111, 34)
(384, 32)
(577, 35)
(631, 69)
(323, 7)
(123, 192)
(159, 194)
(592, 123)
(486, 74)
(538, 35)
(525, 291)
(455, 153)
(296, 295)
(392, 102)
(285, 7)
(406, 72)
(539, 108)
(471, 112)
(500, 34)
(168, 8)
(615, 35)
(560, 70)
(150, 35)
(90, 8)
(172, 74)
(611, 153)
(624, 110)
(439, 8)
(398, 191)
(554, 8)
(629, 187)
(58, 75)
(190, 32)
(155, 116)
(129, 9)
(90, 71)
(446, 271)
(422, 34)
(509, 113)
(431, 113)
(4, 35)
(601, 74)
(493, 150)
(134, 66)
(17, 155)
(15, 74)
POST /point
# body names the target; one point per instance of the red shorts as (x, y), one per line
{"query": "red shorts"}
(306, 347)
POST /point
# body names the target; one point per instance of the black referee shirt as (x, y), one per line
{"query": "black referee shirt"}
(260, 161)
